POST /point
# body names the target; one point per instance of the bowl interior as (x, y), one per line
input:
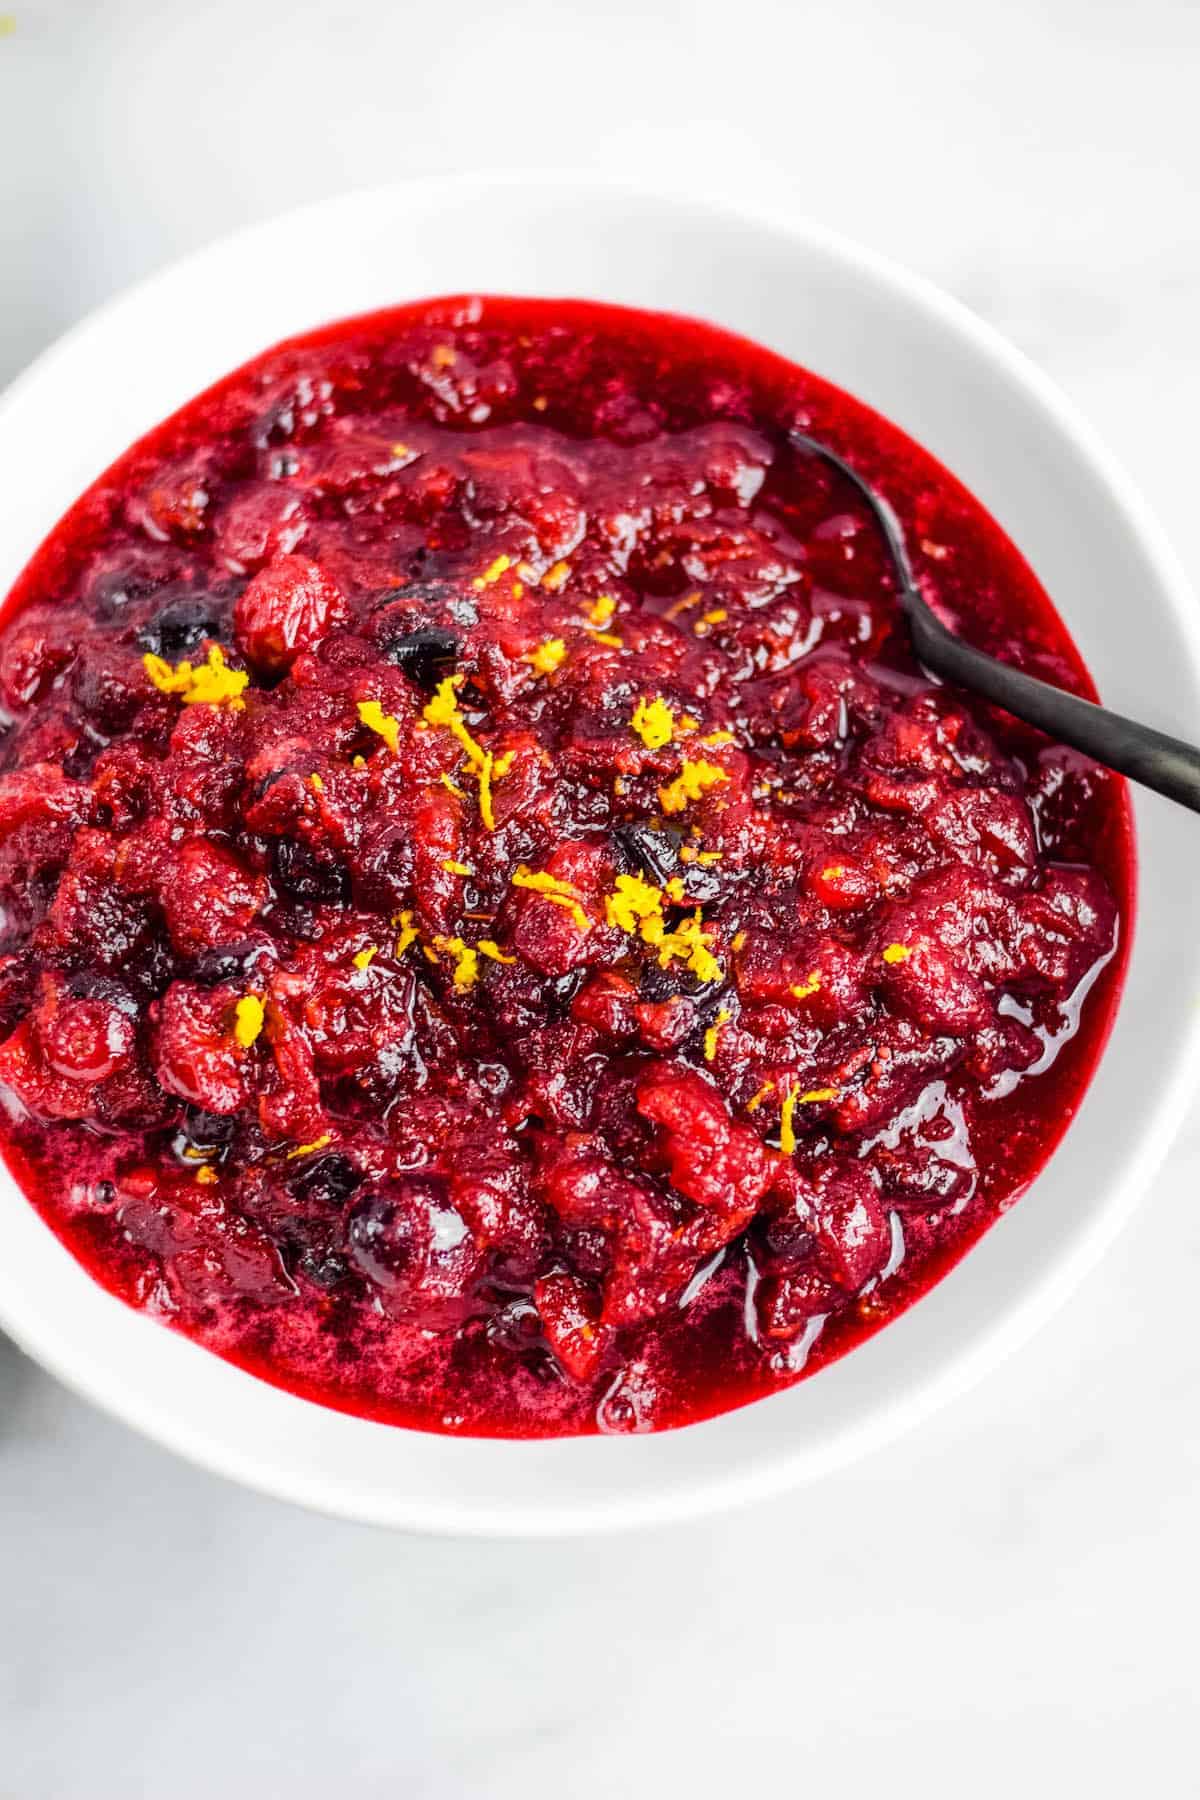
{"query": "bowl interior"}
(945, 379)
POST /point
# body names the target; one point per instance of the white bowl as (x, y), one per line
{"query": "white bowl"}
(962, 392)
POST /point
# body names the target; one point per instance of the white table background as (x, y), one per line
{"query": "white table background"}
(1008, 1598)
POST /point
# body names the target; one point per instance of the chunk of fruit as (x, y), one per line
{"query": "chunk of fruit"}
(784, 1303)
(570, 1318)
(850, 1226)
(209, 898)
(290, 606)
(709, 1156)
(197, 1055)
(414, 1248)
(928, 985)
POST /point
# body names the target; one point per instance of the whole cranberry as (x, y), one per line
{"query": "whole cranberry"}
(415, 1249)
(710, 1157)
(290, 606)
(88, 1040)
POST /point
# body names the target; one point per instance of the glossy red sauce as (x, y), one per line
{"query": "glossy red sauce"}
(573, 971)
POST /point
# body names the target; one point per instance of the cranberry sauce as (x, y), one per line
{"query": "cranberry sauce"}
(499, 934)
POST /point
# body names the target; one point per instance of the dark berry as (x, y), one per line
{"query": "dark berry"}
(426, 656)
(327, 1180)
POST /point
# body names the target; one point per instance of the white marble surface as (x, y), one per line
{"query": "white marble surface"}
(1008, 1597)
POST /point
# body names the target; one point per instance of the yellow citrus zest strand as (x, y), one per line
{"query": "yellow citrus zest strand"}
(547, 657)
(444, 709)
(693, 781)
(492, 573)
(560, 893)
(382, 724)
(248, 1020)
(210, 683)
(654, 722)
(490, 948)
(466, 970)
(307, 1149)
(787, 1135)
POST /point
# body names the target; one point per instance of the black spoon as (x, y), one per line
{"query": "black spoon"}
(1163, 763)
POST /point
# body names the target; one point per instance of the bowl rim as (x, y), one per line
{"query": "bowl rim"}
(1049, 1285)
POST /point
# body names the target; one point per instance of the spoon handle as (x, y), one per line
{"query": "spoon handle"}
(1149, 757)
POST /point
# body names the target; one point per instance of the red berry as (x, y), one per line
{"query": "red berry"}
(175, 507)
(712, 1158)
(197, 1055)
(292, 605)
(209, 898)
(87, 1040)
(261, 523)
(785, 1303)
(851, 1226)
(570, 1319)
(414, 1248)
